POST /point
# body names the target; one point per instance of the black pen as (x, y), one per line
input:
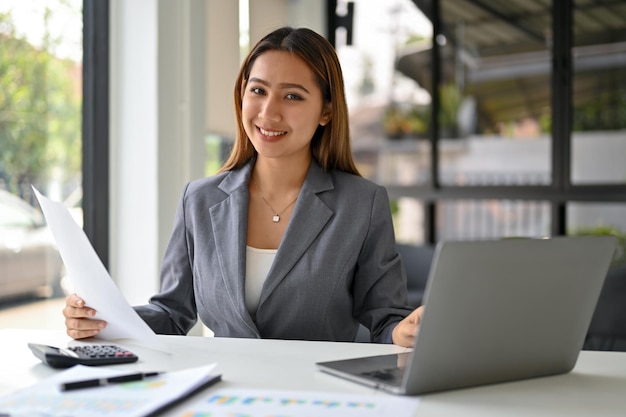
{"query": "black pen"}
(100, 382)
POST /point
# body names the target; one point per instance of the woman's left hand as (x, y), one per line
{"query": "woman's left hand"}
(405, 331)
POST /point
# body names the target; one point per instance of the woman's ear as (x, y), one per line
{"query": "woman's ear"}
(326, 115)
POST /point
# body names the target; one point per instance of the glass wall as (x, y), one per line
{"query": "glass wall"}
(599, 116)
(494, 93)
(599, 93)
(388, 110)
(492, 219)
(499, 159)
(40, 136)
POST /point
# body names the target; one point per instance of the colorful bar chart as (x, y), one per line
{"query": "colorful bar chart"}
(272, 403)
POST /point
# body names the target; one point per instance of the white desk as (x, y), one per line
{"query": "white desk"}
(596, 387)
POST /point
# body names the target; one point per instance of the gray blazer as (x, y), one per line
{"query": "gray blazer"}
(336, 266)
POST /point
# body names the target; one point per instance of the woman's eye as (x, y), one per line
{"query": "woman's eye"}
(257, 90)
(293, 97)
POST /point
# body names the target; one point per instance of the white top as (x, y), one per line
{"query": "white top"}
(258, 264)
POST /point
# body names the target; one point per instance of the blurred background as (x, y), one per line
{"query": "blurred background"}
(483, 119)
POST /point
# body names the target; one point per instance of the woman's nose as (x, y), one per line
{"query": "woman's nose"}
(270, 109)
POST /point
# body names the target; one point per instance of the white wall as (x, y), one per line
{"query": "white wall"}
(222, 64)
(267, 15)
(157, 128)
(133, 145)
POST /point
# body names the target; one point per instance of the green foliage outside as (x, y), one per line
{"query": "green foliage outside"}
(399, 122)
(214, 145)
(606, 112)
(413, 121)
(40, 108)
(605, 230)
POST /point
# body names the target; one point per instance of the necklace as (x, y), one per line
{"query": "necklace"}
(276, 217)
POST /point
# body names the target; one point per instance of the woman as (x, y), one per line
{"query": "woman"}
(288, 240)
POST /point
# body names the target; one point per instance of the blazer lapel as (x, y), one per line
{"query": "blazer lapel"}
(229, 219)
(309, 217)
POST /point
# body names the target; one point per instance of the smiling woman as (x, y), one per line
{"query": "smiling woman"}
(287, 240)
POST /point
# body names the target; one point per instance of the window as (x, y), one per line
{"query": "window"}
(494, 119)
(599, 94)
(388, 110)
(40, 132)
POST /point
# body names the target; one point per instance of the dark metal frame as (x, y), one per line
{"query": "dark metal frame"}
(95, 126)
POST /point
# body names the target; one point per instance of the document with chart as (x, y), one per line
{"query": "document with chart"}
(127, 399)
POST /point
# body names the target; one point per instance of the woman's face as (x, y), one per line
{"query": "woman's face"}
(282, 106)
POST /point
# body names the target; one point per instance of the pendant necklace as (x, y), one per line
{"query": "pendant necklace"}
(276, 217)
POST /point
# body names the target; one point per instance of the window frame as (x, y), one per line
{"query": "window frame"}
(95, 126)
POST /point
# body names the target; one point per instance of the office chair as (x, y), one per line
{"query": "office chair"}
(607, 330)
(417, 261)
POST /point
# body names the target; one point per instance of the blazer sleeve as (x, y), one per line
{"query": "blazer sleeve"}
(173, 309)
(380, 288)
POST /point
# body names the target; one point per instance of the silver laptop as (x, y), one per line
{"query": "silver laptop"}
(495, 311)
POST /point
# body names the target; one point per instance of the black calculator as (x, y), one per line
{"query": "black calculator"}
(93, 355)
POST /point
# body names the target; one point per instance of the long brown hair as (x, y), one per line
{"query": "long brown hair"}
(330, 145)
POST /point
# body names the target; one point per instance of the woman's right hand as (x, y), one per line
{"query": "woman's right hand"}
(79, 323)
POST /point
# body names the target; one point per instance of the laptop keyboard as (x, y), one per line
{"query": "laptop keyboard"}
(391, 375)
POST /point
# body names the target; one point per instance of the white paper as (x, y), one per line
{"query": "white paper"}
(228, 402)
(92, 282)
(128, 399)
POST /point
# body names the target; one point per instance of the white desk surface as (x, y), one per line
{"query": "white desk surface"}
(596, 386)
